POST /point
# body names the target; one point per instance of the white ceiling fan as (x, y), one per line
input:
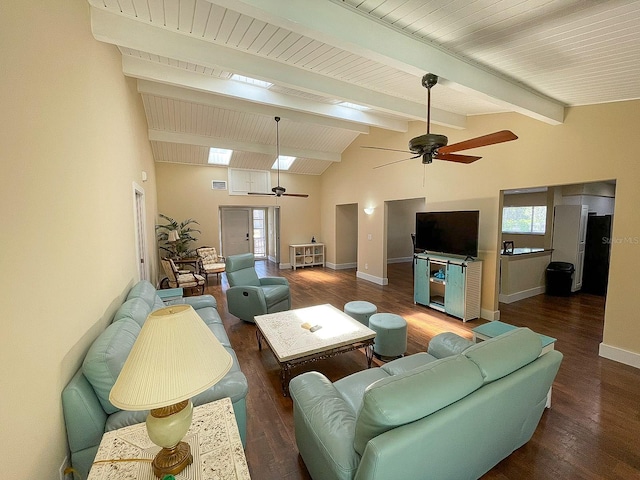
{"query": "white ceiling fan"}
(279, 191)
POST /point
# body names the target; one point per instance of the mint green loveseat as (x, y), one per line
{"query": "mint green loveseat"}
(85, 400)
(422, 417)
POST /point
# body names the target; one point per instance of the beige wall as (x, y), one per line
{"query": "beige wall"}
(543, 155)
(73, 139)
(184, 191)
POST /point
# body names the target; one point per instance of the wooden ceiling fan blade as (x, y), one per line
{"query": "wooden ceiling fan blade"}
(264, 194)
(454, 157)
(387, 149)
(398, 161)
(302, 195)
(483, 141)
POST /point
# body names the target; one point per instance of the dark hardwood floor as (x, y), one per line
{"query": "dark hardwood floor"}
(592, 430)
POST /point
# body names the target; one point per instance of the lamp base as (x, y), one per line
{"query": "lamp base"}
(171, 461)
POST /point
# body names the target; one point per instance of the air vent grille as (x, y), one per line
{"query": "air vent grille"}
(218, 184)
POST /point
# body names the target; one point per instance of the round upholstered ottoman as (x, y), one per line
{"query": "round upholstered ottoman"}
(360, 310)
(391, 334)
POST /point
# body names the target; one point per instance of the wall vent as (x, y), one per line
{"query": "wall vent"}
(218, 184)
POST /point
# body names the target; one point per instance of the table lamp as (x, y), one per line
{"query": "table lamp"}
(174, 358)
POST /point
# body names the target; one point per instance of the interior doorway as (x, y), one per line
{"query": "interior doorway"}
(142, 256)
(526, 271)
(400, 225)
(346, 236)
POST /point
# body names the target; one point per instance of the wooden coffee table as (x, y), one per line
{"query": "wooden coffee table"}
(294, 345)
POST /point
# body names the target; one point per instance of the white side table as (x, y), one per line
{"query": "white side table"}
(215, 445)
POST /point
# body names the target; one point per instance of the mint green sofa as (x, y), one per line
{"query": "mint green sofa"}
(423, 417)
(88, 414)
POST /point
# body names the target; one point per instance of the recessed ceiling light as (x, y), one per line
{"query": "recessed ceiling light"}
(251, 81)
(285, 162)
(219, 156)
(355, 106)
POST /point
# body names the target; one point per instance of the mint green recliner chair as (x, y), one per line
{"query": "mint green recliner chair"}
(248, 295)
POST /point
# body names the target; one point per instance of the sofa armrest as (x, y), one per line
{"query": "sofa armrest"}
(273, 281)
(324, 427)
(447, 344)
(84, 417)
(201, 301)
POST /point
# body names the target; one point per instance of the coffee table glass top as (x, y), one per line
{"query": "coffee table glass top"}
(289, 340)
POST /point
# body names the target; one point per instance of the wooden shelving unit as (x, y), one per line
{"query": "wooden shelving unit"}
(306, 255)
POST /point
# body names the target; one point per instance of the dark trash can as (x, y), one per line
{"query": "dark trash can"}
(559, 278)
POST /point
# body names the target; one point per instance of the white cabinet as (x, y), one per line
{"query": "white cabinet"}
(448, 284)
(569, 236)
(306, 255)
(242, 181)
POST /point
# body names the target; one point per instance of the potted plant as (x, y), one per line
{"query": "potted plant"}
(177, 245)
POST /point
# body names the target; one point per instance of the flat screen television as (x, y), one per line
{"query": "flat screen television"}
(454, 233)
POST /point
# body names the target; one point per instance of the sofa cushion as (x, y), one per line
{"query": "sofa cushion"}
(405, 398)
(146, 291)
(201, 301)
(352, 387)
(448, 343)
(506, 353)
(106, 357)
(407, 363)
(209, 315)
(135, 309)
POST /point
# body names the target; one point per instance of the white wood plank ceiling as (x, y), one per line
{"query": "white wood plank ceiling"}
(533, 57)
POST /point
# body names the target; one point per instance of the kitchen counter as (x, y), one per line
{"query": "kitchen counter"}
(526, 250)
(522, 273)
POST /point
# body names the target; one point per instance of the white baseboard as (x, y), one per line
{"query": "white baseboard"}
(341, 266)
(514, 297)
(620, 355)
(372, 279)
(490, 314)
(399, 260)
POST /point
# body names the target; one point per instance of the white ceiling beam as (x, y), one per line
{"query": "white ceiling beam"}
(213, 142)
(226, 102)
(342, 26)
(135, 34)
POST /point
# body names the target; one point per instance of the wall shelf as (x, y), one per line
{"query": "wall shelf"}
(306, 255)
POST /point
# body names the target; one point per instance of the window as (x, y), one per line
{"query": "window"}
(259, 234)
(219, 156)
(529, 219)
(285, 162)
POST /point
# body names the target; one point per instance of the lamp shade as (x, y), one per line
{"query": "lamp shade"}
(174, 358)
(173, 236)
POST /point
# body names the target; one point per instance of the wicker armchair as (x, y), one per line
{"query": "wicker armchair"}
(182, 278)
(210, 262)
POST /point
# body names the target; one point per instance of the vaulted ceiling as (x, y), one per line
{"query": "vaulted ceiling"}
(534, 57)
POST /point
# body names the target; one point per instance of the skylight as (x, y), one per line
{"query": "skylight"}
(355, 106)
(219, 156)
(285, 162)
(251, 81)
